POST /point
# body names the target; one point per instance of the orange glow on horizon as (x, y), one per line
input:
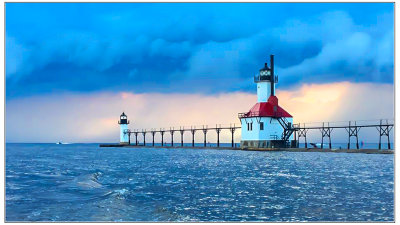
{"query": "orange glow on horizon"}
(93, 117)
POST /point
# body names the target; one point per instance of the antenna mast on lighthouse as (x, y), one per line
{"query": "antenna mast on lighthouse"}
(272, 76)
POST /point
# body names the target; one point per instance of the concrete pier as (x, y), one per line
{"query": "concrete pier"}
(365, 151)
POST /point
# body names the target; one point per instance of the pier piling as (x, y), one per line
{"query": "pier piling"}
(153, 133)
(136, 134)
(182, 131)
(172, 136)
(144, 137)
(218, 130)
(232, 129)
(193, 132)
(205, 136)
(162, 136)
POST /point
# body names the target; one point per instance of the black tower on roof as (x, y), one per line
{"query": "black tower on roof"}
(123, 119)
(267, 74)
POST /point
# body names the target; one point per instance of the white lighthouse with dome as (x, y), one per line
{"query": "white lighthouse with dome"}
(266, 124)
(123, 123)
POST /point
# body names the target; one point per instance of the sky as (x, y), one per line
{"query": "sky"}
(72, 68)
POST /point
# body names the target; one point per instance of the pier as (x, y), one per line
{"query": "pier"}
(352, 129)
(193, 130)
(366, 151)
(300, 132)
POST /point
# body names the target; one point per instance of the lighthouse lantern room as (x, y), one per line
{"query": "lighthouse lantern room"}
(266, 124)
(124, 135)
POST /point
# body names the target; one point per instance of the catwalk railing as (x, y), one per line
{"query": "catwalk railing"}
(299, 131)
(204, 129)
(383, 127)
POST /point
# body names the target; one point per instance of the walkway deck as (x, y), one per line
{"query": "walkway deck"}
(366, 151)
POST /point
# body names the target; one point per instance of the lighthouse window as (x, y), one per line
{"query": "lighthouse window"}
(250, 126)
(261, 125)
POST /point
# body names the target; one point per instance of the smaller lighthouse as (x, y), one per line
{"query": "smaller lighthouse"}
(123, 122)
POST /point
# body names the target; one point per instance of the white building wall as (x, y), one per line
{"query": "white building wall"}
(123, 138)
(263, 91)
(271, 127)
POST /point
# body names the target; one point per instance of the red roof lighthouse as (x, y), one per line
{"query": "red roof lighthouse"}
(269, 109)
(266, 124)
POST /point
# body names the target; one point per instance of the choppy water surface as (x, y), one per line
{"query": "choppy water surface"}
(46, 182)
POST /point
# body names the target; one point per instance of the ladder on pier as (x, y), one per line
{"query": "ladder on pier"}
(288, 128)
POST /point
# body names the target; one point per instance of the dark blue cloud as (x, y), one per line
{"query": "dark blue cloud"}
(191, 47)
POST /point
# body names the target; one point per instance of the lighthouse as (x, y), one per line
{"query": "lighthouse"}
(124, 136)
(266, 124)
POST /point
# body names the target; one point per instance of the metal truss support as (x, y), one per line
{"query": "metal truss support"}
(353, 131)
(326, 132)
(384, 130)
(302, 132)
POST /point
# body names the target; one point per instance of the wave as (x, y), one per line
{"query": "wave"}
(89, 181)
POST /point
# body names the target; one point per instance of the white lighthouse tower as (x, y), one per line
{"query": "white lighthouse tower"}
(266, 124)
(124, 136)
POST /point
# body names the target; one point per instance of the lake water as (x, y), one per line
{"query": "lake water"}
(82, 182)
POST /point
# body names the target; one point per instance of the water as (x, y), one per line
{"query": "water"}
(82, 182)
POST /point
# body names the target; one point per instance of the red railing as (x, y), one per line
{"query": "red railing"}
(257, 114)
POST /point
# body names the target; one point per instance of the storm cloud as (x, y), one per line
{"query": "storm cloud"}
(192, 48)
